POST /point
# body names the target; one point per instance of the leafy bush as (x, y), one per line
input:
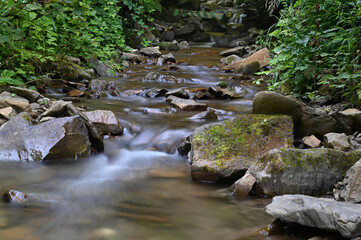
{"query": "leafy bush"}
(33, 32)
(316, 47)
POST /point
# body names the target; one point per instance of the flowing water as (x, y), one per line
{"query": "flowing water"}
(140, 187)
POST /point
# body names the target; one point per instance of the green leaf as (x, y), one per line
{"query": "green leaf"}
(4, 38)
(31, 7)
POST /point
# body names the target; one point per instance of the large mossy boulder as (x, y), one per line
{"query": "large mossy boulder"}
(60, 138)
(297, 171)
(227, 149)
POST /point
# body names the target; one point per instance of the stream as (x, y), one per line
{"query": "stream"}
(140, 187)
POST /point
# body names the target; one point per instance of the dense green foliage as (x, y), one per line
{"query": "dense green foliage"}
(33, 32)
(317, 49)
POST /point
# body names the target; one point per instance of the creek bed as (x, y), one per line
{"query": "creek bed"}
(139, 188)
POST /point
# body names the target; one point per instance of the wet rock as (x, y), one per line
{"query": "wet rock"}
(230, 59)
(168, 46)
(11, 100)
(355, 115)
(57, 109)
(338, 141)
(168, 36)
(349, 189)
(160, 62)
(7, 113)
(206, 115)
(311, 141)
(261, 56)
(95, 138)
(15, 196)
(202, 95)
(152, 76)
(243, 186)
(185, 147)
(296, 171)
(155, 92)
(105, 122)
(227, 92)
(60, 138)
(169, 58)
(102, 69)
(267, 102)
(130, 57)
(180, 92)
(316, 122)
(249, 69)
(184, 45)
(227, 149)
(155, 76)
(238, 51)
(323, 213)
(30, 95)
(98, 85)
(151, 51)
(75, 93)
(185, 104)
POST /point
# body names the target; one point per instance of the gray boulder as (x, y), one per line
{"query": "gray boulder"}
(103, 69)
(296, 171)
(206, 115)
(30, 95)
(267, 102)
(98, 85)
(184, 45)
(355, 115)
(238, 51)
(105, 122)
(229, 148)
(186, 104)
(338, 141)
(230, 59)
(168, 46)
(323, 213)
(180, 92)
(20, 104)
(350, 188)
(151, 51)
(316, 122)
(60, 138)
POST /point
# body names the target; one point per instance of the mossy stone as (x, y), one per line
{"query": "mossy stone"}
(227, 149)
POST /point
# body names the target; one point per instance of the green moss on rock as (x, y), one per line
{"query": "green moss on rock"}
(230, 147)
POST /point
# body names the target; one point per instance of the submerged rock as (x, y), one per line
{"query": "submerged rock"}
(229, 148)
(323, 213)
(186, 104)
(296, 171)
(15, 196)
(56, 139)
